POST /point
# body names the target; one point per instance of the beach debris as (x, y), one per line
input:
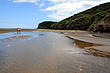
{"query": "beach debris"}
(80, 69)
(8, 45)
(90, 34)
(100, 64)
(28, 39)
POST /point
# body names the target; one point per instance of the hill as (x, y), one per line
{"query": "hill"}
(45, 25)
(87, 20)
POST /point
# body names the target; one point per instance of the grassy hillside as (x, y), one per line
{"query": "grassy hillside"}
(85, 19)
(45, 25)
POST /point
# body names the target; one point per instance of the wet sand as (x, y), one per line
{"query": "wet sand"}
(53, 52)
(95, 38)
(104, 43)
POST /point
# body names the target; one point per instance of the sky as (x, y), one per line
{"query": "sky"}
(29, 13)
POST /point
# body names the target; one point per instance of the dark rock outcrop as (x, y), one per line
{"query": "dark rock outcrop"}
(102, 26)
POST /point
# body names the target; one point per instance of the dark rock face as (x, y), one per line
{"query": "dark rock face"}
(105, 23)
(102, 26)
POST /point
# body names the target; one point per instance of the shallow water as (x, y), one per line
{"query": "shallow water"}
(47, 52)
(16, 36)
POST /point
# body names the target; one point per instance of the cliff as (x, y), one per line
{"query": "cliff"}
(102, 26)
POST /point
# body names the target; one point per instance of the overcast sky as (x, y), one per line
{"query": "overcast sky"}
(29, 13)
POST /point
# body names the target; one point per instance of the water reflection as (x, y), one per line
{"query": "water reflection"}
(18, 32)
(47, 54)
(97, 53)
(91, 51)
(82, 44)
(37, 55)
(17, 36)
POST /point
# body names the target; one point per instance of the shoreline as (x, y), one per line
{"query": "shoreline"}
(7, 30)
(104, 43)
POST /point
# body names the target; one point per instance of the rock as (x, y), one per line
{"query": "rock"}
(102, 26)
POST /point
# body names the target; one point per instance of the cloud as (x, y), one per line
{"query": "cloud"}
(62, 9)
(41, 5)
(57, 16)
(63, 0)
(31, 1)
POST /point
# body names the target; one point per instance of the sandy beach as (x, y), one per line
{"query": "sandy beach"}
(53, 51)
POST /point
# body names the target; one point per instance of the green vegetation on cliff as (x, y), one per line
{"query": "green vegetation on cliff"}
(45, 25)
(84, 20)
